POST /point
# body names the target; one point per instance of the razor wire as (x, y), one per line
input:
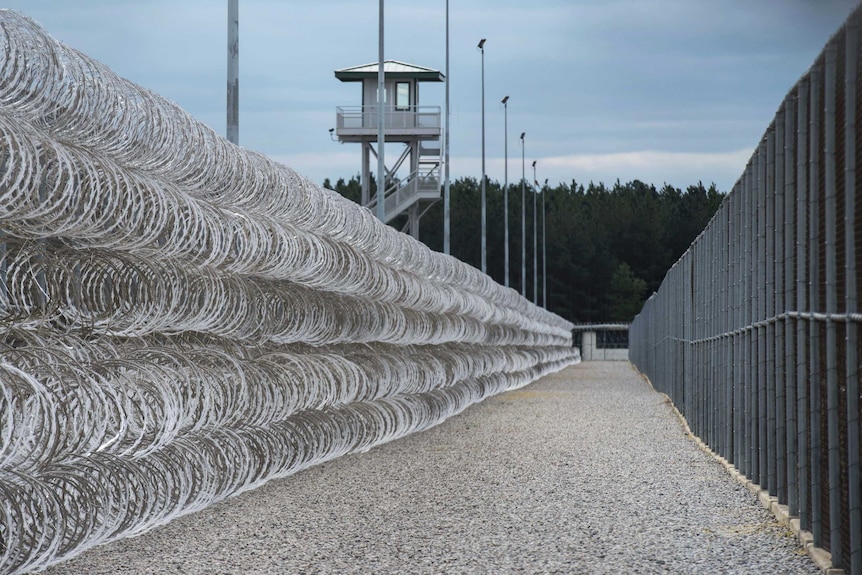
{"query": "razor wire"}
(182, 319)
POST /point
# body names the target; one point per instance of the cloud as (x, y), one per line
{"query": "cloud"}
(652, 160)
(597, 86)
(679, 169)
(319, 166)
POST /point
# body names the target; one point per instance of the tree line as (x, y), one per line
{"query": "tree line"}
(608, 247)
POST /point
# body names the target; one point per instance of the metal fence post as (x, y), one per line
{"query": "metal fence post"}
(802, 277)
(740, 358)
(789, 355)
(688, 373)
(779, 449)
(854, 481)
(728, 307)
(761, 296)
(814, 265)
(753, 280)
(832, 307)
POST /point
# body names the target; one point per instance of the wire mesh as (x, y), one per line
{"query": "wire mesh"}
(780, 258)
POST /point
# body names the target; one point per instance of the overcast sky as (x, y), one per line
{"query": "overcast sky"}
(665, 91)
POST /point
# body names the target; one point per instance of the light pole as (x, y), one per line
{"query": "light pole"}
(505, 101)
(544, 251)
(535, 253)
(381, 166)
(523, 223)
(481, 47)
(446, 202)
(233, 71)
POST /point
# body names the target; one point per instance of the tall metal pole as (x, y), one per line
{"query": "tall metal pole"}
(506, 189)
(233, 71)
(854, 477)
(446, 200)
(523, 223)
(544, 252)
(381, 137)
(484, 208)
(535, 253)
(832, 392)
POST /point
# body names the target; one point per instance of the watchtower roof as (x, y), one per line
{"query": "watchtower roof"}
(393, 69)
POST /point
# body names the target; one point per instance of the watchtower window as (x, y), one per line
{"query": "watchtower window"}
(402, 96)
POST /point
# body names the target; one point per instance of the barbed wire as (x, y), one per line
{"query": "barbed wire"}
(182, 319)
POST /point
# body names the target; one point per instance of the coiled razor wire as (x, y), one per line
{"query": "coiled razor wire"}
(182, 320)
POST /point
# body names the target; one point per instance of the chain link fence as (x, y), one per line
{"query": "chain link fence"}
(754, 331)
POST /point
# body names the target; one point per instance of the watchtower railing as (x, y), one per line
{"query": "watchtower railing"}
(364, 118)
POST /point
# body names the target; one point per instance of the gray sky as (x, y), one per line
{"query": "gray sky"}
(671, 91)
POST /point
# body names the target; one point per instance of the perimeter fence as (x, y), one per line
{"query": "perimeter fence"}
(754, 331)
(182, 320)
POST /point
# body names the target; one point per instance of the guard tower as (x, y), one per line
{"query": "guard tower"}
(412, 182)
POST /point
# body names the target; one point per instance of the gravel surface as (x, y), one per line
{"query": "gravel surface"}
(584, 471)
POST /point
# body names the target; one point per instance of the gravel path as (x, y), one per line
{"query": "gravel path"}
(584, 471)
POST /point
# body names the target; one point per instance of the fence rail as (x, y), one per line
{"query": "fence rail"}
(365, 117)
(182, 320)
(754, 331)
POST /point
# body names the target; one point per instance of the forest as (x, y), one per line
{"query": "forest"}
(608, 248)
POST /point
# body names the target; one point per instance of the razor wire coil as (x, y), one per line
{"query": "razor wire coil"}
(182, 319)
